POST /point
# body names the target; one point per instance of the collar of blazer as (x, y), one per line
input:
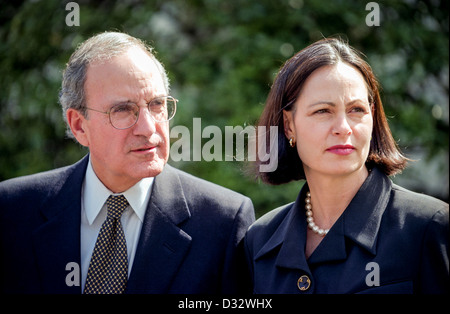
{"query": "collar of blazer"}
(360, 222)
(168, 196)
(65, 191)
(162, 244)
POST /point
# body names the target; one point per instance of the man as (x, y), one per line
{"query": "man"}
(131, 222)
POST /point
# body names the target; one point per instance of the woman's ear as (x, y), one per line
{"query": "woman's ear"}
(289, 127)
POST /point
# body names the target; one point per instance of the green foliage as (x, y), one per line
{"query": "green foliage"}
(221, 57)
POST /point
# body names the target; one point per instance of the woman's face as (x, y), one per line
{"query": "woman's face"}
(331, 121)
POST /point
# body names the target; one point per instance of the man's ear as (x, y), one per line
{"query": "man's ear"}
(77, 123)
(289, 127)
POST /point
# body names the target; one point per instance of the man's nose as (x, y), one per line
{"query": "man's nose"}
(145, 125)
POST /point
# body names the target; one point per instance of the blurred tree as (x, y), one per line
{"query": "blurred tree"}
(222, 57)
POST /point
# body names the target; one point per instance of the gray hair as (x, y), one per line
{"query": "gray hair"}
(100, 47)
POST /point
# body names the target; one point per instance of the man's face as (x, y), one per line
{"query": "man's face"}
(120, 158)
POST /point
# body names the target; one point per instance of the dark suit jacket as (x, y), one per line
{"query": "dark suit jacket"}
(189, 241)
(405, 233)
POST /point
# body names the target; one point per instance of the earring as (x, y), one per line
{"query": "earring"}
(291, 142)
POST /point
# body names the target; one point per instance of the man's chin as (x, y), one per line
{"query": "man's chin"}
(151, 169)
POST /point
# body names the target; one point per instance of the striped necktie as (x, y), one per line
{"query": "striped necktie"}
(108, 268)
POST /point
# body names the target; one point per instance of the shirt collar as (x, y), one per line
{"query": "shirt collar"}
(96, 194)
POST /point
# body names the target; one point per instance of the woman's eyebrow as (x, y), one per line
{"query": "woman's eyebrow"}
(330, 103)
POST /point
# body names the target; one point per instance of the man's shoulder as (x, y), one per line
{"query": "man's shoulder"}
(200, 190)
(200, 185)
(43, 183)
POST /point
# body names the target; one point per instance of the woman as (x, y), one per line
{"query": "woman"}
(351, 230)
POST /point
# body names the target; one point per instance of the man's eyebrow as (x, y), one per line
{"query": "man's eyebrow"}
(120, 102)
(128, 101)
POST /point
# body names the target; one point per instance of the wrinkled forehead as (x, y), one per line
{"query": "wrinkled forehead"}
(132, 60)
(131, 76)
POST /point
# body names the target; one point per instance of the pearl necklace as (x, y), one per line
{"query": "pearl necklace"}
(310, 219)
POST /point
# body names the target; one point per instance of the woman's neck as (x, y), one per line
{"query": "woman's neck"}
(330, 195)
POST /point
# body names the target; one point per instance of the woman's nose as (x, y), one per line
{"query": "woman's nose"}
(342, 126)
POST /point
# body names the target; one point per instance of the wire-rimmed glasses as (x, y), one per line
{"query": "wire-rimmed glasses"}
(125, 115)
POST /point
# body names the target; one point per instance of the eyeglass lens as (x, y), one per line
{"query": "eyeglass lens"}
(126, 115)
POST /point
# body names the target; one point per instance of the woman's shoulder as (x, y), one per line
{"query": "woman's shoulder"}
(419, 205)
(273, 217)
(266, 225)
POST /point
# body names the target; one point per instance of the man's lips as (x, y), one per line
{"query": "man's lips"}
(341, 149)
(144, 149)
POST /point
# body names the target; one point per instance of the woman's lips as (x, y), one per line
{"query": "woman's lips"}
(341, 149)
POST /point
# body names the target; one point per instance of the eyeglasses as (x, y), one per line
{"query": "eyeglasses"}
(125, 115)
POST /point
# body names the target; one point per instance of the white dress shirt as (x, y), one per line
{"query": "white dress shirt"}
(93, 213)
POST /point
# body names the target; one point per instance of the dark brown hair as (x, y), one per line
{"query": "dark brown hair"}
(384, 152)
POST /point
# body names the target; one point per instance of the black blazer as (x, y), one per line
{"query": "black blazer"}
(406, 234)
(189, 241)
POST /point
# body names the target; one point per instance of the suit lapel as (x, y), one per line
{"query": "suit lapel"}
(57, 241)
(162, 244)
